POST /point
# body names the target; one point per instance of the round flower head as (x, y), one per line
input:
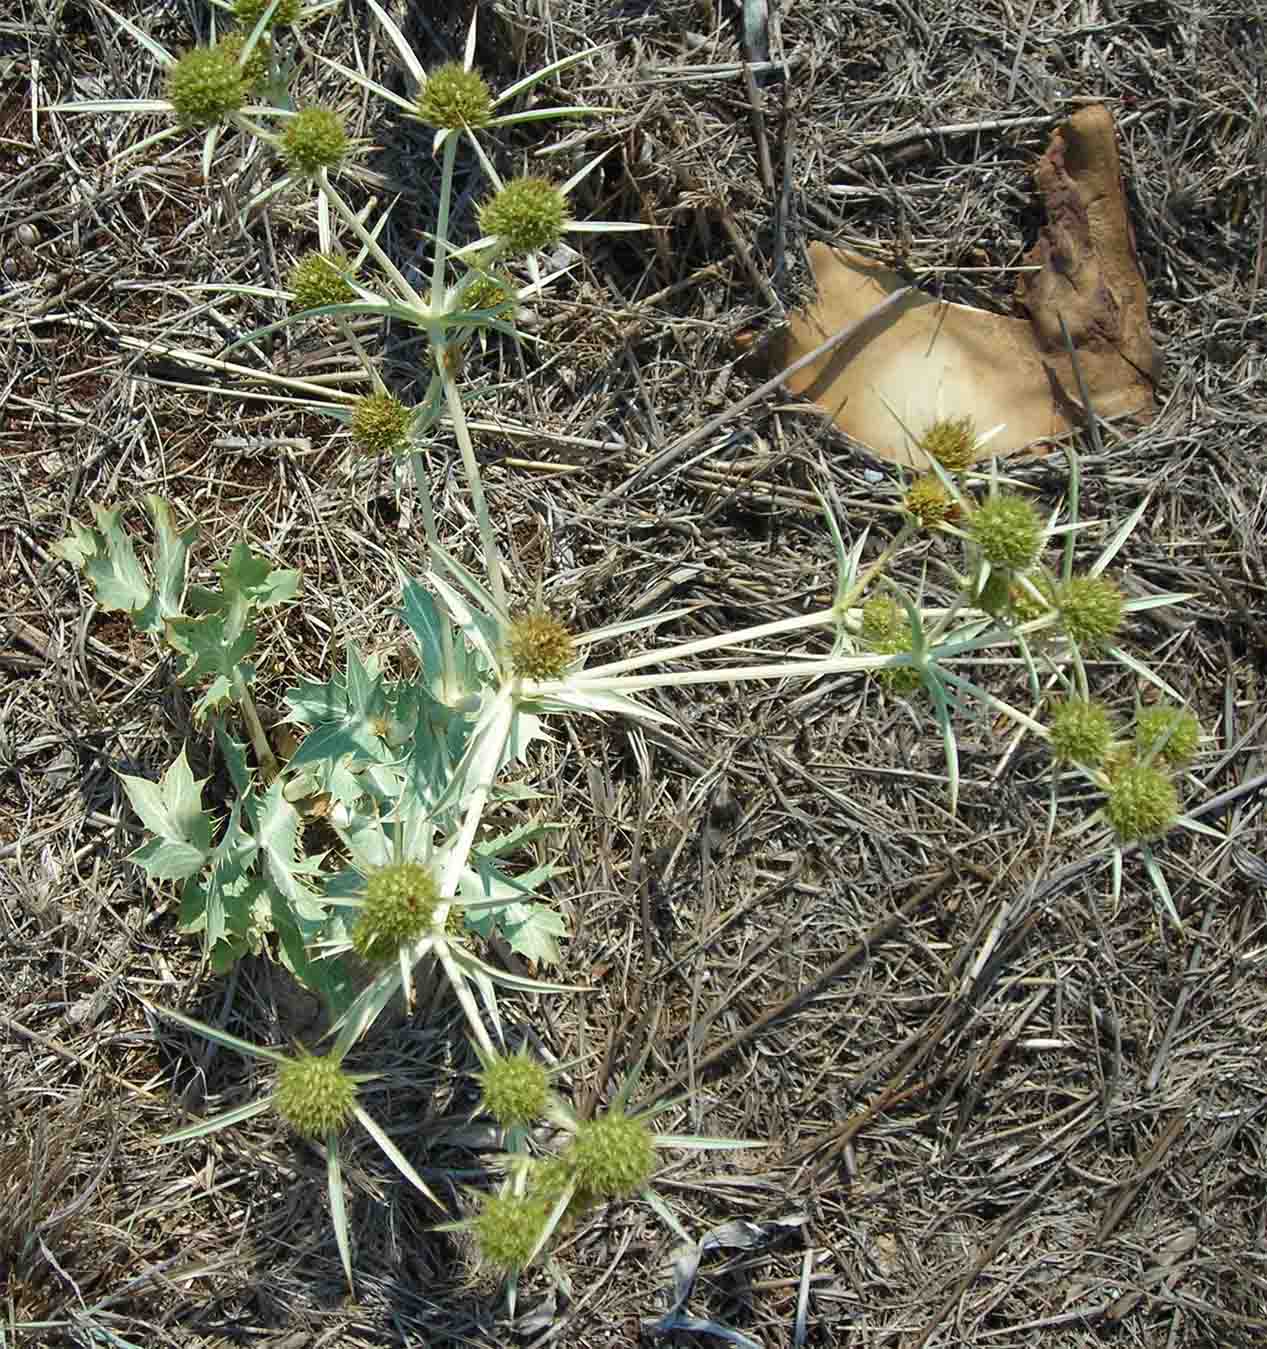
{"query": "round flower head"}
(1008, 531)
(380, 423)
(927, 502)
(314, 139)
(454, 97)
(1171, 734)
(526, 215)
(547, 1179)
(314, 1095)
(516, 1088)
(952, 441)
(400, 904)
(1090, 609)
(205, 85)
(612, 1156)
(248, 12)
(1080, 733)
(1142, 803)
(538, 646)
(319, 279)
(255, 70)
(507, 1228)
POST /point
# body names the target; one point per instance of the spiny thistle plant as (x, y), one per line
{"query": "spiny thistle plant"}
(408, 768)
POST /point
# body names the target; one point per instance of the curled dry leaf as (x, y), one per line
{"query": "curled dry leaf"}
(927, 359)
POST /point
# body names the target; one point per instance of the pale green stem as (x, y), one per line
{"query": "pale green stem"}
(269, 766)
(442, 222)
(433, 541)
(371, 244)
(488, 540)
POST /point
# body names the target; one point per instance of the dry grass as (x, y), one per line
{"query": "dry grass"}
(1009, 1112)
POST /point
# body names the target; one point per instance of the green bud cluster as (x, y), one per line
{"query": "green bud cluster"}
(952, 442)
(538, 646)
(1081, 732)
(484, 290)
(454, 97)
(314, 1095)
(286, 15)
(380, 424)
(205, 85)
(255, 68)
(1091, 609)
(886, 630)
(526, 215)
(314, 139)
(928, 503)
(319, 279)
(1142, 803)
(1171, 734)
(507, 1229)
(400, 905)
(611, 1156)
(515, 1088)
(1007, 530)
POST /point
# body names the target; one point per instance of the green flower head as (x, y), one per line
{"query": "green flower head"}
(952, 442)
(1080, 733)
(538, 646)
(516, 1088)
(1142, 803)
(1171, 734)
(205, 86)
(319, 279)
(1091, 609)
(486, 290)
(380, 424)
(526, 215)
(400, 905)
(611, 1156)
(286, 15)
(314, 1095)
(454, 97)
(507, 1229)
(314, 139)
(1008, 531)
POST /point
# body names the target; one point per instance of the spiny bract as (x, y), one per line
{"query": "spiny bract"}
(1142, 803)
(538, 646)
(952, 441)
(612, 1156)
(1171, 734)
(1080, 732)
(1007, 530)
(1091, 609)
(314, 1095)
(526, 215)
(515, 1088)
(507, 1229)
(204, 86)
(454, 97)
(400, 905)
(314, 139)
(380, 424)
(285, 15)
(319, 279)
